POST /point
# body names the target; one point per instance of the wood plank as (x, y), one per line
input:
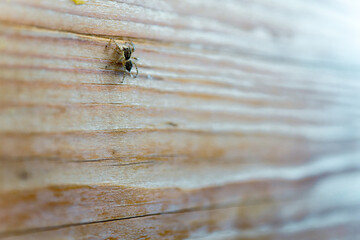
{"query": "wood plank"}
(242, 124)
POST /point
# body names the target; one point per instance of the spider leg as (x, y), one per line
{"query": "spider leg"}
(135, 58)
(137, 71)
(121, 59)
(118, 49)
(123, 78)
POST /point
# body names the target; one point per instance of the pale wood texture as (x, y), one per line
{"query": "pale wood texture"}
(242, 124)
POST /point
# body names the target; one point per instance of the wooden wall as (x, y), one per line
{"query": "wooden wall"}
(242, 124)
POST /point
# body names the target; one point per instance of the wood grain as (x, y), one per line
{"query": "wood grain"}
(242, 124)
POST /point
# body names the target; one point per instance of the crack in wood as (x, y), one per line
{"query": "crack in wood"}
(7, 234)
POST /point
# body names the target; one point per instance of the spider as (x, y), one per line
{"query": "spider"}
(125, 58)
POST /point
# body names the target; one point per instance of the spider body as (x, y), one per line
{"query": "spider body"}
(128, 52)
(125, 57)
(128, 66)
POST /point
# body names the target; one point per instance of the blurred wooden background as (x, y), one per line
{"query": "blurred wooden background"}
(243, 122)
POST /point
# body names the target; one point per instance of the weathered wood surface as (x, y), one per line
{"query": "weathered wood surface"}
(242, 124)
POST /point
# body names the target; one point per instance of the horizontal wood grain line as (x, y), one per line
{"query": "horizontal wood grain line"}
(111, 139)
(186, 169)
(286, 88)
(129, 29)
(142, 91)
(199, 227)
(18, 169)
(150, 143)
(76, 116)
(288, 113)
(85, 10)
(130, 201)
(197, 67)
(248, 87)
(38, 91)
(72, 10)
(83, 63)
(67, 135)
(316, 133)
(320, 94)
(244, 65)
(254, 95)
(205, 225)
(137, 31)
(247, 84)
(81, 46)
(182, 22)
(336, 148)
(25, 232)
(52, 228)
(171, 84)
(178, 12)
(45, 81)
(7, 234)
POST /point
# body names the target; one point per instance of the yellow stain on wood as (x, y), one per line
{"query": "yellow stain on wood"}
(78, 2)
